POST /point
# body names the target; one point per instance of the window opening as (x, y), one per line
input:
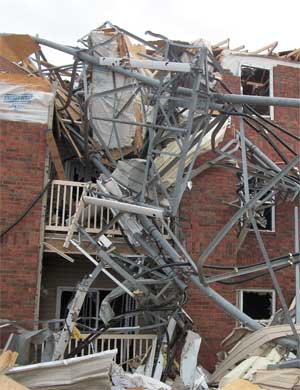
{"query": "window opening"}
(256, 82)
(257, 304)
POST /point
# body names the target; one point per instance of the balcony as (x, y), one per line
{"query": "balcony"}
(62, 201)
(131, 348)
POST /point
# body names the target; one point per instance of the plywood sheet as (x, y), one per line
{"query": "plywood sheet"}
(9, 67)
(241, 384)
(28, 81)
(15, 47)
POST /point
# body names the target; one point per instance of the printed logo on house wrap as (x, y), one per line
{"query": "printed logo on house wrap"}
(17, 101)
(19, 104)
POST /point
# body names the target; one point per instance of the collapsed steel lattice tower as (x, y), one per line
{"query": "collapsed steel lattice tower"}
(181, 115)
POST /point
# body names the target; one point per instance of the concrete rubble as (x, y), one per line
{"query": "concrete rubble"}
(138, 114)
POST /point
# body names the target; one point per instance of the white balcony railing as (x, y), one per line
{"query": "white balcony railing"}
(139, 347)
(63, 198)
(62, 202)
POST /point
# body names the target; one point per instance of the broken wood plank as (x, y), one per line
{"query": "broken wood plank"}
(52, 248)
(8, 359)
(73, 108)
(287, 378)
(248, 345)
(138, 136)
(68, 135)
(240, 384)
(9, 67)
(270, 47)
(122, 47)
(55, 156)
(17, 47)
(7, 383)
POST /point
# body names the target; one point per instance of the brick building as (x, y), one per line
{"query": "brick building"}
(36, 283)
(217, 186)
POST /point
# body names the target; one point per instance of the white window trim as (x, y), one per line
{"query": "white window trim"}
(60, 290)
(239, 300)
(269, 67)
(273, 227)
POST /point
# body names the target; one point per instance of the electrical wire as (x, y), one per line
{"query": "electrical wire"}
(248, 279)
(264, 119)
(224, 267)
(26, 211)
(171, 265)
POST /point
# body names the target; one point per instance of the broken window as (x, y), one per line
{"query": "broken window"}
(264, 213)
(256, 81)
(89, 314)
(74, 171)
(257, 304)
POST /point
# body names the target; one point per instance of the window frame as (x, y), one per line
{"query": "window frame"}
(239, 300)
(248, 63)
(273, 215)
(273, 220)
(61, 289)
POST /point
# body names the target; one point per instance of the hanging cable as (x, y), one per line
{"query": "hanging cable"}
(26, 211)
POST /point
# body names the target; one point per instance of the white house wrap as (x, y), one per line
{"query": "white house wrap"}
(20, 104)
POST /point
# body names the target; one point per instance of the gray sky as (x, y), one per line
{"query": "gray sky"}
(253, 23)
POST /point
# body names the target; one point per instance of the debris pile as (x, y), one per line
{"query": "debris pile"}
(138, 114)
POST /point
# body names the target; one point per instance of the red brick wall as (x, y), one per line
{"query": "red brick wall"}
(204, 212)
(23, 153)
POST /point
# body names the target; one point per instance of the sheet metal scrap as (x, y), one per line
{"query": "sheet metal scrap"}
(140, 113)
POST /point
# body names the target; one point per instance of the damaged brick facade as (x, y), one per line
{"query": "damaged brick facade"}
(204, 212)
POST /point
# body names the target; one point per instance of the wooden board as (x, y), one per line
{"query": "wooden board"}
(7, 383)
(138, 137)
(8, 359)
(28, 81)
(55, 156)
(287, 378)
(15, 47)
(68, 135)
(73, 108)
(9, 67)
(248, 345)
(240, 384)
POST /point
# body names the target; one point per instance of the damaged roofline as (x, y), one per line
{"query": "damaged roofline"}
(230, 98)
(257, 60)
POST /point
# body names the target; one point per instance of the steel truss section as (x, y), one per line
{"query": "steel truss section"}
(182, 114)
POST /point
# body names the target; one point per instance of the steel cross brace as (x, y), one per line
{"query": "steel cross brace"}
(74, 310)
(251, 203)
(218, 97)
(231, 309)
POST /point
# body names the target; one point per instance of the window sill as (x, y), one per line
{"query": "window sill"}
(264, 231)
